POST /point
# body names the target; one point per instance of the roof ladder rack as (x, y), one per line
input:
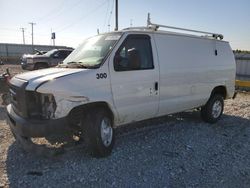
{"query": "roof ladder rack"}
(157, 26)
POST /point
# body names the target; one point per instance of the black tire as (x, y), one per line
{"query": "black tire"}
(40, 66)
(93, 133)
(213, 109)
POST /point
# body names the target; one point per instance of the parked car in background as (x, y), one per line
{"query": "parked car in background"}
(25, 56)
(42, 60)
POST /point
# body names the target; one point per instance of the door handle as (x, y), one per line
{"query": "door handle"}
(156, 86)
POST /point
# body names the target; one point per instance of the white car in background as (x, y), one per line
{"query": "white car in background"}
(122, 77)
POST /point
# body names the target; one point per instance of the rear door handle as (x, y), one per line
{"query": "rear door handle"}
(156, 86)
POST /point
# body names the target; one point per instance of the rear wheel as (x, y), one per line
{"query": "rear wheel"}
(99, 133)
(213, 109)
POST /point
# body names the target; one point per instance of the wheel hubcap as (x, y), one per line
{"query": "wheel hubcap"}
(106, 132)
(217, 108)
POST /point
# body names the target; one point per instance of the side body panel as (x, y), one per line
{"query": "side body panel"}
(190, 69)
(227, 60)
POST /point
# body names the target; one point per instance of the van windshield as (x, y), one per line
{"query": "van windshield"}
(92, 51)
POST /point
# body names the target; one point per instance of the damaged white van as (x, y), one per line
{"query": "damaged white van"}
(121, 77)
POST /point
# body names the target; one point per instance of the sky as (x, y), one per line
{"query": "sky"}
(75, 20)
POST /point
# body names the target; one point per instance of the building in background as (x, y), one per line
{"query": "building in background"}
(242, 65)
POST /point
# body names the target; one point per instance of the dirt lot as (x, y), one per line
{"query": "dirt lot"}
(12, 67)
(173, 151)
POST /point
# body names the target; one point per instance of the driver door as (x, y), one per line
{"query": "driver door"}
(134, 79)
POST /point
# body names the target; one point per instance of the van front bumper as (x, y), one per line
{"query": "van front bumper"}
(35, 128)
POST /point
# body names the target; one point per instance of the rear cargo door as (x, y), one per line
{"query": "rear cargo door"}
(134, 78)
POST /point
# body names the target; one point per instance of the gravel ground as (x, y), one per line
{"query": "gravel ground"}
(14, 69)
(173, 151)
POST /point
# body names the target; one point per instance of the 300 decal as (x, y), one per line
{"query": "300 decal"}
(101, 76)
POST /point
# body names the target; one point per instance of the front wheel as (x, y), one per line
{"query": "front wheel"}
(99, 133)
(213, 109)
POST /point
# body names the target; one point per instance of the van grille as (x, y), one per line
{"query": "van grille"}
(17, 96)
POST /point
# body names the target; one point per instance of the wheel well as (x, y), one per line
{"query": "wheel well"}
(220, 90)
(76, 114)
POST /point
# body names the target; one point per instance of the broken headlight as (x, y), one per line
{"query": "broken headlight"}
(48, 105)
(40, 106)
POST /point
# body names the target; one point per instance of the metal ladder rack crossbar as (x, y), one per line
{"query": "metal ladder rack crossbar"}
(157, 26)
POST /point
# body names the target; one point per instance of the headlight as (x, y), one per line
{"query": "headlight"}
(48, 106)
(40, 106)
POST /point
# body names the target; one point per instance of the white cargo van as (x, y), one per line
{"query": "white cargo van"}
(122, 77)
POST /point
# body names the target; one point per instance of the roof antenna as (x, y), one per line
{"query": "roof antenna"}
(148, 20)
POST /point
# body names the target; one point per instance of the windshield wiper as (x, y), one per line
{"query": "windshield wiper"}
(74, 65)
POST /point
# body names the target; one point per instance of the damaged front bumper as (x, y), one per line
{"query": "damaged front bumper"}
(35, 128)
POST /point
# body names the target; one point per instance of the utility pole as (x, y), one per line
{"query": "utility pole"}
(23, 34)
(32, 34)
(116, 15)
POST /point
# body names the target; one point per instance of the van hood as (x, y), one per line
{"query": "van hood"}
(38, 77)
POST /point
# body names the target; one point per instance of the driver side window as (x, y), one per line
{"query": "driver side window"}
(134, 54)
